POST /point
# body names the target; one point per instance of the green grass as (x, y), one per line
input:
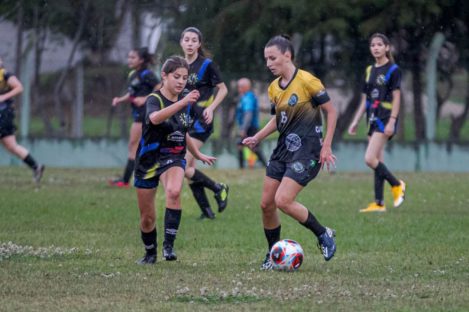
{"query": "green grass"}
(415, 258)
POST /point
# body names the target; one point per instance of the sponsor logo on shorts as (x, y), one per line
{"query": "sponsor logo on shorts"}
(312, 163)
(293, 142)
(298, 167)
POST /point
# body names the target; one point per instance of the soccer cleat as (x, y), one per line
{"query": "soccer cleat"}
(119, 183)
(147, 259)
(222, 197)
(207, 213)
(326, 243)
(398, 194)
(168, 253)
(267, 263)
(374, 207)
(38, 172)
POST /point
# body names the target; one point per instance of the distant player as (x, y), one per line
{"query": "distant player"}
(247, 118)
(381, 101)
(297, 99)
(205, 77)
(160, 156)
(142, 81)
(10, 87)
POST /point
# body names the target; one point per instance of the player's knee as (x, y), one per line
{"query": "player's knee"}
(267, 207)
(282, 201)
(370, 160)
(173, 194)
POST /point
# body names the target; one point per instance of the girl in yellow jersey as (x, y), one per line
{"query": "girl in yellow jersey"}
(381, 101)
(297, 99)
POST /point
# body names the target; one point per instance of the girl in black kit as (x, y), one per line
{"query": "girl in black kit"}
(381, 101)
(142, 81)
(10, 87)
(205, 77)
(160, 156)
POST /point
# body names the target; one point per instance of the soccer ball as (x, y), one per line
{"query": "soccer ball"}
(286, 255)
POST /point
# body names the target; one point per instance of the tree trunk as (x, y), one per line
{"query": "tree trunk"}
(19, 37)
(61, 81)
(458, 122)
(419, 119)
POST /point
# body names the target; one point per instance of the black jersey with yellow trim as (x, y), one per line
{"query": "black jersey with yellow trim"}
(141, 82)
(378, 86)
(204, 76)
(165, 141)
(4, 87)
(298, 116)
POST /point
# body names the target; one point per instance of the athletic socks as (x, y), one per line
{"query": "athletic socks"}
(272, 235)
(386, 174)
(205, 181)
(129, 168)
(149, 241)
(379, 189)
(200, 196)
(29, 160)
(313, 224)
(172, 218)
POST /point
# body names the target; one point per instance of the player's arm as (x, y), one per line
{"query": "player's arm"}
(396, 105)
(268, 129)
(352, 130)
(15, 86)
(121, 99)
(326, 157)
(221, 94)
(158, 116)
(192, 147)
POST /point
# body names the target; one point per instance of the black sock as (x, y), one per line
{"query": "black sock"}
(272, 236)
(241, 159)
(29, 160)
(172, 218)
(200, 196)
(379, 189)
(149, 241)
(313, 224)
(386, 174)
(129, 168)
(205, 181)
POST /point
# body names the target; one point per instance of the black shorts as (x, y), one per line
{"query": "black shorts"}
(153, 182)
(301, 171)
(378, 126)
(201, 131)
(138, 113)
(7, 126)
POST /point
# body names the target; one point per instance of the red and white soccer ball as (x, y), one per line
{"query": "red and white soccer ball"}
(286, 255)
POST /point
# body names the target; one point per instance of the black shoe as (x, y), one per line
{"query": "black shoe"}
(169, 254)
(38, 172)
(267, 263)
(148, 259)
(207, 213)
(222, 197)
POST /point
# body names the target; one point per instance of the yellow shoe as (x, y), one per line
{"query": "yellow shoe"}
(398, 194)
(374, 207)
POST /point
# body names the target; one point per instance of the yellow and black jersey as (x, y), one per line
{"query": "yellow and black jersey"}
(298, 116)
(4, 87)
(163, 143)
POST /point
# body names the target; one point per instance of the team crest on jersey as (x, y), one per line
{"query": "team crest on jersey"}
(380, 80)
(192, 79)
(293, 100)
(293, 142)
(186, 120)
(298, 167)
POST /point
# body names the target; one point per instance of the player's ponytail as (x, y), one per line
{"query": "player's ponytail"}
(283, 43)
(144, 55)
(202, 50)
(386, 42)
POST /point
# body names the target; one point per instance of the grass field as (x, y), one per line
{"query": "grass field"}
(71, 245)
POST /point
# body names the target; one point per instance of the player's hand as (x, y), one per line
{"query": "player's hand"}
(352, 130)
(139, 100)
(115, 101)
(390, 126)
(208, 115)
(250, 142)
(192, 97)
(3, 98)
(326, 158)
(208, 160)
